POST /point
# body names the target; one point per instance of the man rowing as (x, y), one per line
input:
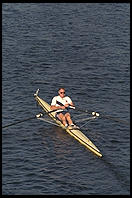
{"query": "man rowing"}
(61, 103)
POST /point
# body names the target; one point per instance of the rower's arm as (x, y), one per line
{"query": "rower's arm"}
(53, 107)
(71, 104)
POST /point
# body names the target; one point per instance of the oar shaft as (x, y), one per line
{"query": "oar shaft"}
(114, 119)
(19, 122)
(15, 123)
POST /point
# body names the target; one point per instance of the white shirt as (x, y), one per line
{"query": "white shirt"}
(64, 101)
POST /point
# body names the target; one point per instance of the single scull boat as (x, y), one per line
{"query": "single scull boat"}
(76, 133)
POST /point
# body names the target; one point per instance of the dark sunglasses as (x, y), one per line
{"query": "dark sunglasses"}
(62, 92)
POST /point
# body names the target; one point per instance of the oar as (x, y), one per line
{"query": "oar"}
(36, 116)
(114, 119)
(96, 114)
(105, 116)
(19, 122)
(78, 109)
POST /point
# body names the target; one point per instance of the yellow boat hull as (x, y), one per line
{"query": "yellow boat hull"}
(76, 133)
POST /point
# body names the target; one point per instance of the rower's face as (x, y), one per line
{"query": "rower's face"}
(62, 93)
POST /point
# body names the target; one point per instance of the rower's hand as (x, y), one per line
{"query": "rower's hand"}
(66, 105)
(62, 107)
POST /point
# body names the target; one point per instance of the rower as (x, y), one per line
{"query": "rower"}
(62, 102)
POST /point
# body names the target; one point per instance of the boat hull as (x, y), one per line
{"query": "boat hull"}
(76, 133)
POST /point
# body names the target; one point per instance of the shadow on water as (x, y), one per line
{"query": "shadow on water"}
(62, 137)
(119, 176)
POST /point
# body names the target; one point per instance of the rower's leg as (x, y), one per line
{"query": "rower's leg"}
(68, 118)
(62, 118)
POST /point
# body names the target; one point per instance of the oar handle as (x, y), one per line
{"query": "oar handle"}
(76, 108)
(71, 107)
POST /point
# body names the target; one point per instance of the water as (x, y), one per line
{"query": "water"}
(86, 49)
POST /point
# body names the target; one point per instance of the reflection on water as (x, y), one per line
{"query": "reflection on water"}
(58, 140)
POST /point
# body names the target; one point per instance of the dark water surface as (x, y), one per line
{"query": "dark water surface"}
(85, 48)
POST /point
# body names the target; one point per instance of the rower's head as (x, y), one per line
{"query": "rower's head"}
(61, 92)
